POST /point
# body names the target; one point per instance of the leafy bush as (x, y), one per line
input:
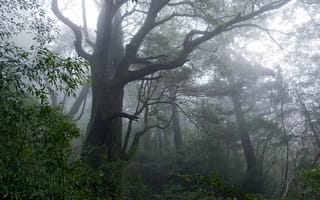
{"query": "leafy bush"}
(311, 183)
(211, 187)
(177, 192)
(38, 73)
(36, 158)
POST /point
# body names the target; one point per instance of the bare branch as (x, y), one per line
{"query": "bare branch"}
(139, 134)
(82, 110)
(81, 98)
(310, 2)
(224, 27)
(151, 78)
(189, 3)
(126, 139)
(75, 28)
(152, 68)
(162, 21)
(128, 13)
(147, 60)
(124, 115)
(267, 31)
(148, 25)
(190, 44)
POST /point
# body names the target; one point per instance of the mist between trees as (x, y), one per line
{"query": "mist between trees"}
(159, 99)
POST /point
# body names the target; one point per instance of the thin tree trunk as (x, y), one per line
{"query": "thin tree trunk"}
(147, 138)
(312, 127)
(160, 143)
(253, 182)
(80, 99)
(175, 121)
(286, 180)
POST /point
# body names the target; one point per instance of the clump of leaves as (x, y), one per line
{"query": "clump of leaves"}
(311, 183)
(36, 158)
(177, 192)
(120, 181)
(39, 73)
(212, 186)
(30, 17)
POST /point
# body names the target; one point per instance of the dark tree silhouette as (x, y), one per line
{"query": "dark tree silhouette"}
(111, 62)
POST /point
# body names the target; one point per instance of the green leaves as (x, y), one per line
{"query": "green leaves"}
(63, 74)
(311, 182)
(4, 35)
(36, 156)
(41, 72)
(212, 186)
(18, 16)
(36, 159)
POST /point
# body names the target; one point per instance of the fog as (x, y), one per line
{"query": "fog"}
(159, 99)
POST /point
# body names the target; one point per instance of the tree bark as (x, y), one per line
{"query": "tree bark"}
(103, 145)
(253, 182)
(104, 137)
(176, 127)
(78, 102)
(147, 138)
(175, 121)
(110, 65)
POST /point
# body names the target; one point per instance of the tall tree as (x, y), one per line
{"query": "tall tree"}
(238, 79)
(114, 64)
(177, 136)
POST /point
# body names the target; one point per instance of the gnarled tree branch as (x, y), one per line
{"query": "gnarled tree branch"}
(75, 28)
(190, 44)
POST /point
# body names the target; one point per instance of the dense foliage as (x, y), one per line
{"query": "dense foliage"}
(311, 183)
(222, 123)
(36, 156)
(36, 159)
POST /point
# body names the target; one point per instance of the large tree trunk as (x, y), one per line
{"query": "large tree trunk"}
(109, 63)
(104, 137)
(103, 145)
(253, 181)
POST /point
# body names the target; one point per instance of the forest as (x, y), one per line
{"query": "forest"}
(160, 99)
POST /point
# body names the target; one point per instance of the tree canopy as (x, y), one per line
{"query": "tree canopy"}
(174, 99)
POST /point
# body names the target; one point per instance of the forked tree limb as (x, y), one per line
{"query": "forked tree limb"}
(190, 44)
(75, 28)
